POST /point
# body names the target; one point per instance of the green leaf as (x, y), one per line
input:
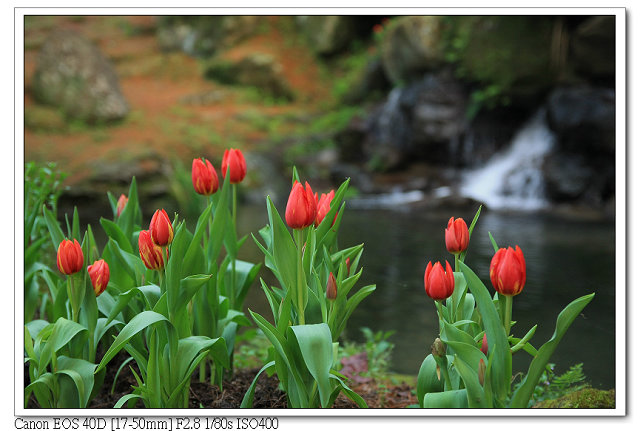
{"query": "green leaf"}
(496, 337)
(188, 288)
(189, 261)
(565, 319)
(284, 249)
(428, 380)
(81, 372)
(57, 236)
(126, 398)
(475, 393)
(137, 324)
(114, 232)
(316, 347)
(446, 400)
(247, 400)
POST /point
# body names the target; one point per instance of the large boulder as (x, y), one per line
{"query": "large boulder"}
(584, 119)
(73, 75)
(327, 34)
(421, 120)
(411, 46)
(259, 70)
(592, 49)
(202, 36)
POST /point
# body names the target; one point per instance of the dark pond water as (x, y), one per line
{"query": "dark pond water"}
(565, 259)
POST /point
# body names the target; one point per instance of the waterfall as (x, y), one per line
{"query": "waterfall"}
(512, 179)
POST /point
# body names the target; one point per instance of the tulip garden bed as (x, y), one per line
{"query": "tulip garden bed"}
(157, 312)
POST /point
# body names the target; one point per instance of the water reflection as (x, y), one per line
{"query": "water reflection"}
(565, 259)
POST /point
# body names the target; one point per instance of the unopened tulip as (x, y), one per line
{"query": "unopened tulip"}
(99, 273)
(324, 205)
(482, 368)
(301, 206)
(122, 202)
(485, 345)
(150, 252)
(70, 258)
(508, 271)
(161, 229)
(204, 177)
(348, 263)
(234, 161)
(438, 282)
(456, 236)
(332, 287)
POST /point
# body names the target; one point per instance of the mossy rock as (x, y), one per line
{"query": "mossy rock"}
(507, 56)
(588, 398)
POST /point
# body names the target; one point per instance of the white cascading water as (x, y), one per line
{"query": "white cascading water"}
(512, 179)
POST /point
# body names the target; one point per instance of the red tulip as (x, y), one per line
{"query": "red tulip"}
(151, 253)
(508, 271)
(456, 236)
(301, 207)
(485, 345)
(70, 258)
(99, 273)
(234, 160)
(122, 202)
(332, 287)
(438, 282)
(161, 229)
(204, 177)
(324, 205)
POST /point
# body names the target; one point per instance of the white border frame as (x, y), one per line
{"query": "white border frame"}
(621, 207)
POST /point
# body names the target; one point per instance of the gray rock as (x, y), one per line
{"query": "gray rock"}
(327, 34)
(421, 120)
(411, 46)
(73, 75)
(583, 118)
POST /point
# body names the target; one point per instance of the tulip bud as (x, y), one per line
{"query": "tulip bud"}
(438, 348)
(485, 345)
(508, 271)
(204, 177)
(151, 253)
(234, 161)
(301, 206)
(456, 236)
(481, 370)
(161, 229)
(438, 283)
(348, 263)
(324, 205)
(70, 258)
(99, 273)
(332, 287)
(122, 202)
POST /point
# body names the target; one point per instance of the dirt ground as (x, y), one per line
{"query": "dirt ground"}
(175, 112)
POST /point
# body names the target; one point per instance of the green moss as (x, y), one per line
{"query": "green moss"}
(44, 119)
(506, 57)
(588, 398)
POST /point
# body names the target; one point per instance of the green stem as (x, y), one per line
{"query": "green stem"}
(73, 296)
(454, 302)
(507, 313)
(299, 233)
(440, 315)
(234, 205)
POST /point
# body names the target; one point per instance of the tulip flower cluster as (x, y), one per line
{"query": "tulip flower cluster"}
(474, 348)
(313, 274)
